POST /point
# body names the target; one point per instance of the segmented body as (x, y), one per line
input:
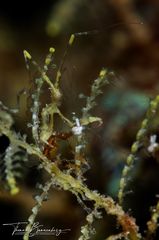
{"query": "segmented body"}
(51, 148)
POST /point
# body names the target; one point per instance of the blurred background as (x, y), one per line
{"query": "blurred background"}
(127, 43)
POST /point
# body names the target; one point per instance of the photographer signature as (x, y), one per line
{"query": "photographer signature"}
(37, 229)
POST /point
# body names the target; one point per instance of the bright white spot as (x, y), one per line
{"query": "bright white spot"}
(77, 130)
(77, 122)
(34, 117)
(153, 143)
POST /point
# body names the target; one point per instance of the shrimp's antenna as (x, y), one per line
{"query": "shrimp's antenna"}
(86, 33)
(114, 25)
